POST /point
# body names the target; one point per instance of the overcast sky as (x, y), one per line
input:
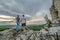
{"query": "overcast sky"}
(32, 9)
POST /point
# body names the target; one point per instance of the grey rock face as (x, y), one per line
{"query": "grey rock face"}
(27, 35)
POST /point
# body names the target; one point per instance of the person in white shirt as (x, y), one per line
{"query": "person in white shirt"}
(23, 22)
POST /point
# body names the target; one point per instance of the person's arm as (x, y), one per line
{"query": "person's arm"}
(25, 19)
(20, 20)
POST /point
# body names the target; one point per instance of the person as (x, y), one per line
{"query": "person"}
(17, 23)
(23, 21)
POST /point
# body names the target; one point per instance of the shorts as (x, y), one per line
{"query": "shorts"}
(23, 24)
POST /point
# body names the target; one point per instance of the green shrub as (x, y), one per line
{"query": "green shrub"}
(36, 28)
(2, 29)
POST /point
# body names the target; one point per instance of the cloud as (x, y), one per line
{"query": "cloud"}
(32, 9)
(25, 6)
(5, 16)
(1, 6)
(36, 21)
(10, 2)
(39, 15)
(1, 20)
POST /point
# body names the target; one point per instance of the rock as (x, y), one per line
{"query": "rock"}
(25, 35)
(1, 34)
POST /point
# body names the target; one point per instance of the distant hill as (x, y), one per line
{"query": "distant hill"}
(13, 25)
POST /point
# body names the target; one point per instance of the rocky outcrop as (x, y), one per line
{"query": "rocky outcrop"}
(29, 34)
(55, 10)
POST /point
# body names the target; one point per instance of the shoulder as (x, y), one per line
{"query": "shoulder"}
(24, 18)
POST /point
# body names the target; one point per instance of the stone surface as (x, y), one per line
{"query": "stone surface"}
(55, 7)
(55, 12)
(27, 35)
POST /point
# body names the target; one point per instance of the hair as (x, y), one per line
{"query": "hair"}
(17, 15)
(23, 15)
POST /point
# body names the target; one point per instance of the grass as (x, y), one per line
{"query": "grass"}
(2, 29)
(36, 28)
(33, 27)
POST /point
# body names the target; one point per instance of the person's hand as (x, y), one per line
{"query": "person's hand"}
(20, 21)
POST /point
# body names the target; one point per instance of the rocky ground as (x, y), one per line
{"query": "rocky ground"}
(29, 35)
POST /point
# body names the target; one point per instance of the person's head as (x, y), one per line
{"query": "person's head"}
(22, 15)
(17, 16)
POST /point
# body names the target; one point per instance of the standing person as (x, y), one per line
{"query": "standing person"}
(17, 23)
(23, 21)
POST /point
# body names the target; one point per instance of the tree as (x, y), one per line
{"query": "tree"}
(48, 22)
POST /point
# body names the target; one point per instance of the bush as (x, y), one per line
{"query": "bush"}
(2, 29)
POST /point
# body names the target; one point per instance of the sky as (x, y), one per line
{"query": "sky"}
(34, 10)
